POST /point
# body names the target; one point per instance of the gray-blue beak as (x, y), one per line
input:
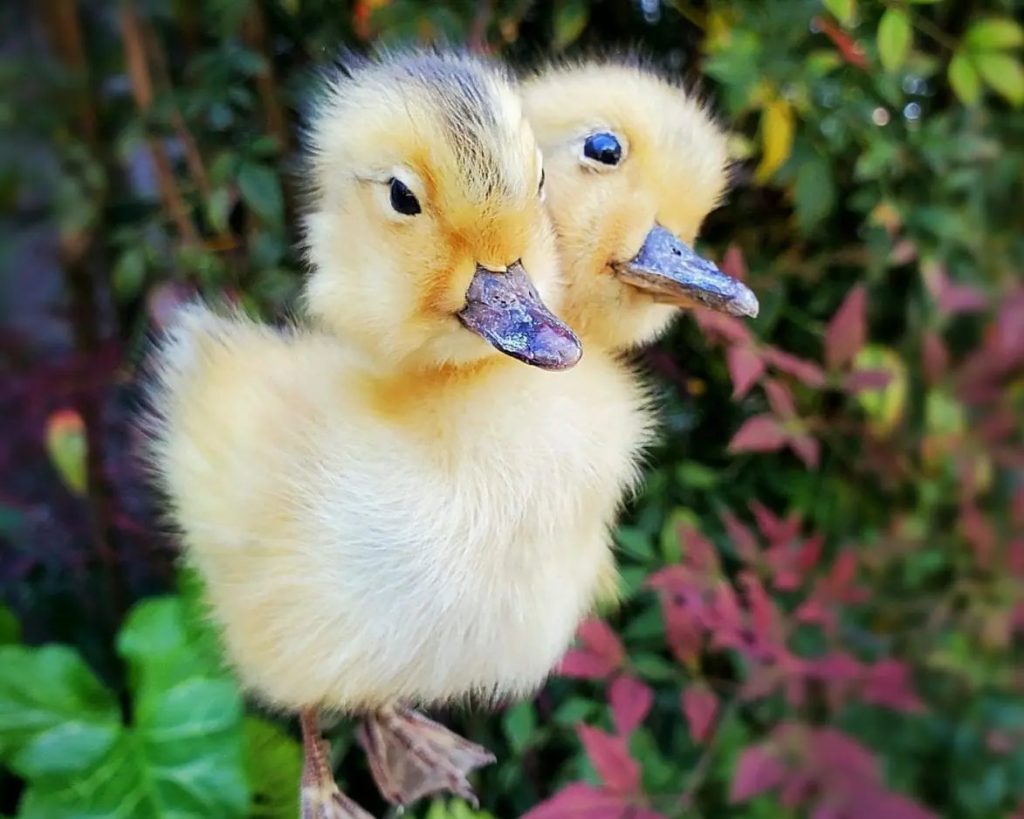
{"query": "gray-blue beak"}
(672, 273)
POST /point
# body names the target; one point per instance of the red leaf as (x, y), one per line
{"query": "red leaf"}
(849, 49)
(610, 757)
(888, 684)
(847, 330)
(953, 298)
(834, 752)
(583, 665)
(600, 655)
(701, 708)
(745, 368)
(631, 701)
(758, 770)
(580, 801)
(761, 433)
(804, 371)
(865, 380)
(742, 538)
(934, 356)
(722, 328)
(807, 448)
(733, 263)
(780, 397)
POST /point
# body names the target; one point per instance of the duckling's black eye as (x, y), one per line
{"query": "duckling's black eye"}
(402, 199)
(603, 148)
(540, 187)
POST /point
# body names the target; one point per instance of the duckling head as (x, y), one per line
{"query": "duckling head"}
(426, 234)
(634, 165)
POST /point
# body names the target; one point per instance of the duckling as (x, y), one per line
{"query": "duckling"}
(634, 164)
(388, 509)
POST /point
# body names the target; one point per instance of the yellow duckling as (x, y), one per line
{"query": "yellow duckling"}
(386, 511)
(634, 166)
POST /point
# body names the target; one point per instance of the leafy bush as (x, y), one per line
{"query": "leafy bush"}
(823, 579)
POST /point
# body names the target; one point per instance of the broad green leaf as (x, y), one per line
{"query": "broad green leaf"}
(66, 445)
(454, 809)
(842, 10)
(964, 79)
(894, 37)
(994, 34)
(570, 19)
(10, 629)
(129, 273)
(273, 761)
(814, 193)
(55, 716)
(261, 191)
(520, 723)
(777, 127)
(1003, 74)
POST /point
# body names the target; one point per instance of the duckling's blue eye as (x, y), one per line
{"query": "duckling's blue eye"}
(402, 199)
(603, 148)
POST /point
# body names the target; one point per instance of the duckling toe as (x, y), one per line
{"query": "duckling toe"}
(320, 797)
(412, 756)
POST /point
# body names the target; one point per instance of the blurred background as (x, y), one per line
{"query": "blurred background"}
(823, 578)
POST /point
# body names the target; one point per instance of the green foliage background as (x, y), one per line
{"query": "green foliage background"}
(876, 409)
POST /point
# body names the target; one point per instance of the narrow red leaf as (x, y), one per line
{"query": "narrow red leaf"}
(721, 328)
(849, 49)
(701, 708)
(631, 701)
(887, 683)
(804, 371)
(580, 801)
(581, 664)
(847, 330)
(807, 449)
(780, 397)
(742, 538)
(758, 770)
(761, 433)
(866, 380)
(600, 654)
(733, 263)
(934, 356)
(610, 757)
(745, 368)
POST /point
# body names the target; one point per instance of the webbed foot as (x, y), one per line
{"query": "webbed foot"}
(320, 797)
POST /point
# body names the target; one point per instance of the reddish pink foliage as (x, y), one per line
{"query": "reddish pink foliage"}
(780, 397)
(804, 371)
(934, 357)
(631, 701)
(761, 433)
(742, 538)
(847, 330)
(733, 263)
(865, 380)
(758, 770)
(721, 328)
(849, 49)
(580, 801)
(807, 449)
(953, 298)
(601, 652)
(887, 683)
(610, 757)
(745, 368)
(701, 708)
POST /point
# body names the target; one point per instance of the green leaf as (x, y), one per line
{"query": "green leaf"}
(10, 629)
(519, 723)
(842, 10)
(273, 762)
(129, 273)
(55, 716)
(994, 34)
(894, 37)
(964, 79)
(814, 193)
(67, 446)
(570, 19)
(261, 191)
(1003, 74)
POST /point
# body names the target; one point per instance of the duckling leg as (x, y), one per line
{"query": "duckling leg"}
(412, 756)
(320, 797)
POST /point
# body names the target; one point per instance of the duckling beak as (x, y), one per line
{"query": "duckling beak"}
(505, 310)
(672, 273)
